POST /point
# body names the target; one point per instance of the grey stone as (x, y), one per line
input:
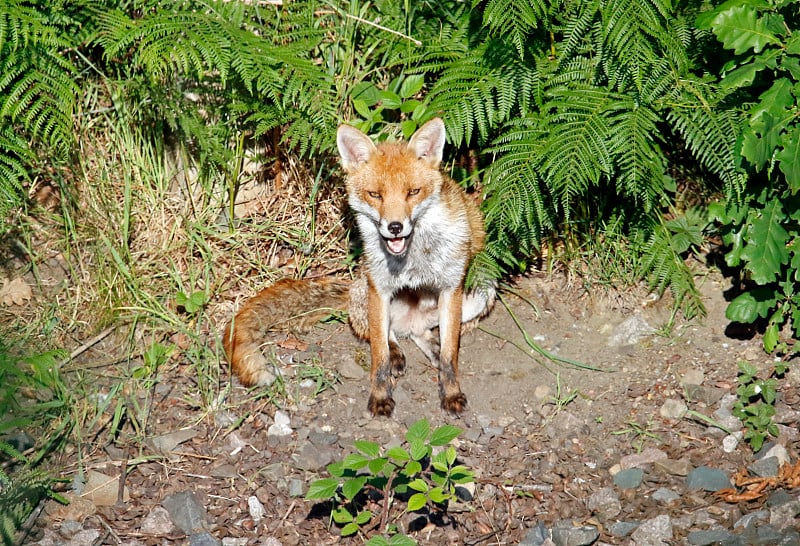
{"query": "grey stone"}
(630, 332)
(567, 534)
(255, 508)
(69, 528)
(704, 538)
(312, 458)
(281, 427)
(538, 535)
(186, 512)
(630, 478)
(665, 495)
(764, 468)
(642, 459)
(605, 503)
(157, 522)
(653, 532)
(348, 368)
(708, 479)
(673, 467)
(673, 409)
(751, 519)
(203, 539)
(779, 452)
(296, 487)
(84, 537)
(623, 528)
(784, 515)
(322, 438)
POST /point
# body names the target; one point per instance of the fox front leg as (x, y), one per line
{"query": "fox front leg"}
(385, 353)
(450, 303)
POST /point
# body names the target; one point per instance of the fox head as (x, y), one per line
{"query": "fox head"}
(394, 183)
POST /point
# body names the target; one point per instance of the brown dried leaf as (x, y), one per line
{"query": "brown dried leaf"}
(16, 292)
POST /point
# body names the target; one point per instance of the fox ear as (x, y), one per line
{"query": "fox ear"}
(354, 146)
(428, 142)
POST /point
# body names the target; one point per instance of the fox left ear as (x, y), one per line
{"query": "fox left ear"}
(428, 142)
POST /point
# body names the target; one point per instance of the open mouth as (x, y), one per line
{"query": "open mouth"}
(397, 245)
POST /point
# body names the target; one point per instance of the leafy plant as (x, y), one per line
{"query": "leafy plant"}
(761, 225)
(755, 405)
(426, 481)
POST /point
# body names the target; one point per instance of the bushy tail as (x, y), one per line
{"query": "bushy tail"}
(287, 305)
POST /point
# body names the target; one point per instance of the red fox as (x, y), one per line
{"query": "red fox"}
(420, 232)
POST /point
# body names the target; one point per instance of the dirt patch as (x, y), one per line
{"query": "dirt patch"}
(547, 440)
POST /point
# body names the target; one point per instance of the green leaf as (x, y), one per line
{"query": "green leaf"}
(418, 432)
(408, 127)
(363, 517)
(412, 85)
(771, 337)
(370, 449)
(416, 502)
(419, 451)
(398, 454)
(377, 465)
(365, 92)
(419, 485)
(349, 529)
(766, 250)
(747, 307)
(739, 28)
(322, 489)
(341, 515)
(352, 487)
(355, 461)
(377, 541)
(363, 110)
(438, 496)
(412, 468)
(390, 101)
(789, 158)
(747, 369)
(402, 540)
(444, 434)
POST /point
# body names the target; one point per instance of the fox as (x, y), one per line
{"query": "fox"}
(419, 232)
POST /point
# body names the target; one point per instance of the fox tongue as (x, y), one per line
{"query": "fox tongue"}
(396, 245)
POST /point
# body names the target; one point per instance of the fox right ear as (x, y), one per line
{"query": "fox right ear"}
(354, 146)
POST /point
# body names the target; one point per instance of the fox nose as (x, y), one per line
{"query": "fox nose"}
(395, 228)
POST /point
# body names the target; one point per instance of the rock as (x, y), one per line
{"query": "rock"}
(69, 528)
(255, 508)
(231, 541)
(656, 531)
(673, 467)
(693, 376)
(704, 538)
(186, 512)
(623, 528)
(731, 442)
(312, 458)
(103, 490)
(85, 537)
(605, 503)
(752, 518)
(322, 438)
(708, 479)
(673, 409)
(639, 460)
(537, 535)
(723, 414)
(203, 539)
(157, 522)
(566, 534)
(779, 452)
(630, 478)
(665, 496)
(348, 368)
(766, 467)
(630, 332)
(166, 443)
(784, 515)
(280, 429)
(296, 487)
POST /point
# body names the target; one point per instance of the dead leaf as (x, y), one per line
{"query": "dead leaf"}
(293, 344)
(16, 292)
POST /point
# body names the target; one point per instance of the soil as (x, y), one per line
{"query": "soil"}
(542, 437)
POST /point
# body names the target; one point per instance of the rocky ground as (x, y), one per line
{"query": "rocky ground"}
(628, 454)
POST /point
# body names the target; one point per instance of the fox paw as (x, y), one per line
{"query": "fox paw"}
(454, 403)
(380, 406)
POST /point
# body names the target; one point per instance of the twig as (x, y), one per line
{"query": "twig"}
(84, 347)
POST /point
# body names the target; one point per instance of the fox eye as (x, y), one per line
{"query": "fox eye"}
(374, 194)
(415, 191)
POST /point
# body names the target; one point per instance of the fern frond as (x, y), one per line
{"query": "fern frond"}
(515, 19)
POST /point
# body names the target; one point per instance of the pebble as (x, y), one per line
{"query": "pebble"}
(296, 487)
(538, 535)
(673, 409)
(629, 478)
(157, 522)
(348, 368)
(665, 495)
(644, 458)
(564, 533)
(186, 511)
(708, 479)
(673, 467)
(704, 538)
(630, 332)
(693, 376)
(785, 514)
(751, 519)
(203, 539)
(69, 528)
(766, 467)
(604, 503)
(255, 508)
(623, 528)
(731, 442)
(280, 428)
(656, 531)
(779, 452)
(312, 458)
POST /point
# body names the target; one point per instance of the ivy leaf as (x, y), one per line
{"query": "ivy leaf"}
(739, 28)
(766, 250)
